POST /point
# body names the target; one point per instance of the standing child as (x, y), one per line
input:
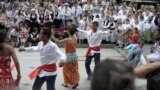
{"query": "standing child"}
(23, 34)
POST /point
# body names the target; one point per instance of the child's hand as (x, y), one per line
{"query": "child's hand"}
(17, 81)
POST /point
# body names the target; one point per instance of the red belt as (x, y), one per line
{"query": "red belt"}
(47, 68)
(92, 48)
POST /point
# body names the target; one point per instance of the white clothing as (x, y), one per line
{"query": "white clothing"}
(94, 39)
(149, 26)
(14, 33)
(141, 24)
(76, 10)
(156, 55)
(66, 13)
(126, 26)
(49, 53)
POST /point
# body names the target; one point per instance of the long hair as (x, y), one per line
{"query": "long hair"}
(3, 36)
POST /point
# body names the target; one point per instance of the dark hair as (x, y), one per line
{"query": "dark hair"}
(95, 23)
(46, 31)
(3, 36)
(113, 75)
(72, 31)
(136, 30)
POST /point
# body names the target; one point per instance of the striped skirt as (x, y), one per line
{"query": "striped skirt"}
(70, 73)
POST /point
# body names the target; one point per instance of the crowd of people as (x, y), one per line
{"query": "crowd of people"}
(70, 22)
(24, 19)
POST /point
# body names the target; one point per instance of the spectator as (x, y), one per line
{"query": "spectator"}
(113, 75)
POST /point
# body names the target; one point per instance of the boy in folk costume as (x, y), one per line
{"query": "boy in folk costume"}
(94, 38)
(50, 55)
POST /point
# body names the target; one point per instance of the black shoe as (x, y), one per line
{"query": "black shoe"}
(74, 87)
(64, 85)
(117, 44)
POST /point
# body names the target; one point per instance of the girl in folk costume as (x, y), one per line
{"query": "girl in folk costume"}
(47, 19)
(133, 40)
(148, 29)
(6, 53)
(70, 68)
(14, 36)
(135, 56)
(33, 19)
(23, 34)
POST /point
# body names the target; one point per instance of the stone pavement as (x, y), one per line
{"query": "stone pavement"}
(29, 61)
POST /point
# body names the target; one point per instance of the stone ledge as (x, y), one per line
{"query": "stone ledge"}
(120, 51)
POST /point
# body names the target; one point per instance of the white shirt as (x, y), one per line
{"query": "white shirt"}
(82, 24)
(84, 1)
(13, 33)
(49, 54)
(76, 10)
(94, 39)
(148, 26)
(66, 13)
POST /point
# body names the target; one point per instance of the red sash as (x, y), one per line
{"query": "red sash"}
(47, 68)
(92, 48)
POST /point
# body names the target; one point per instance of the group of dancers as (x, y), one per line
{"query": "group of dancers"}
(118, 23)
(50, 54)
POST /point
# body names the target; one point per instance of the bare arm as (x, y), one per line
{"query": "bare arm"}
(16, 62)
(143, 70)
(59, 41)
